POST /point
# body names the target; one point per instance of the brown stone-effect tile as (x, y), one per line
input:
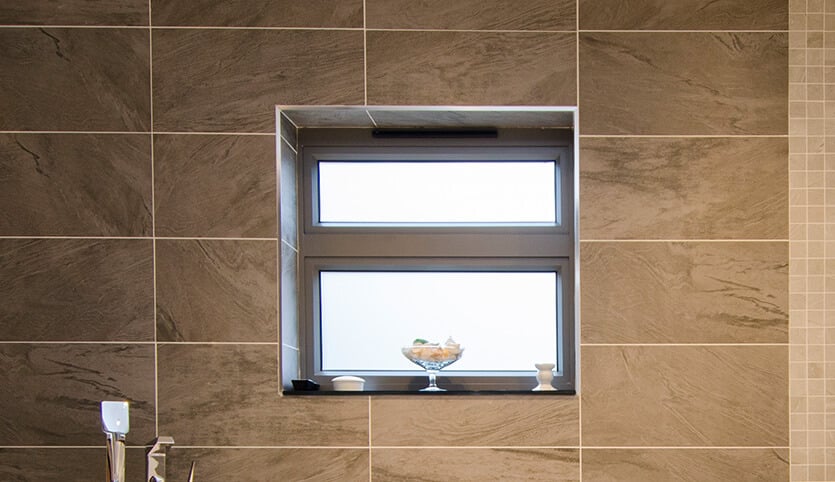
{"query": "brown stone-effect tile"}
(76, 290)
(60, 79)
(683, 15)
(220, 290)
(691, 465)
(215, 186)
(683, 83)
(53, 392)
(684, 188)
(481, 421)
(414, 465)
(684, 292)
(727, 396)
(460, 68)
(472, 14)
(261, 464)
(231, 80)
(67, 464)
(75, 185)
(259, 13)
(228, 395)
(75, 12)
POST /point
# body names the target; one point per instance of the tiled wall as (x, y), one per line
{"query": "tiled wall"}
(811, 200)
(138, 235)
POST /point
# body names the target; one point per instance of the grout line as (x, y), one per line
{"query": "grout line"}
(684, 344)
(337, 29)
(146, 238)
(729, 240)
(686, 136)
(578, 336)
(141, 133)
(256, 343)
(369, 441)
(74, 342)
(153, 216)
(365, 58)
(411, 447)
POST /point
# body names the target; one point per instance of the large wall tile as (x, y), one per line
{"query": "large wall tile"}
(685, 396)
(683, 15)
(74, 79)
(231, 80)
(690, 465)
(74, 12)
(79, 184)
(684, 188)
(215, 186)
(52, 392)
(228, 395)
(216, 290)
(683, 83)
(262, 464)
(259, 13)
(476, 421)
(474, 464)
(66, 464)
(685, 292)
(76, 290)
(459, 68)
(472, 14)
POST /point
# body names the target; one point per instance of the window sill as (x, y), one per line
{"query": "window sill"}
(444, 393)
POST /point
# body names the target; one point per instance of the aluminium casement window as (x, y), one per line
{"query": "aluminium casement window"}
(450, 236)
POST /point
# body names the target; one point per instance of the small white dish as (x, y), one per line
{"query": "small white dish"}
(348, 384)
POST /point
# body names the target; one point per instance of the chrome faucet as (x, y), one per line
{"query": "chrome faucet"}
(156, 459)
(115, 423)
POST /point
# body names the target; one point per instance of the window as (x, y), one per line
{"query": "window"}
(434, 235)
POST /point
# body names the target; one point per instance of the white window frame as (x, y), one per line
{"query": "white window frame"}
(426, 247)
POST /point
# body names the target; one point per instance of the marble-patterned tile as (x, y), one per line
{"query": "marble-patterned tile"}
(75, 185)
(331, 116)
(217, 290)
(288, 130)
(683, 15)
(711, 292)
(289, 296)
(724, 396)
(74, 464)
(261, 464)
(52, 392)
(693, 83)
(472, 14)
(288, 195)
(82, 79)
(258, 13)
(685, 465)
(684, 188)
(515, 119)
(76, 290)
(474, 421)
(215, 186)
(470, 464)
(231, 80)
(228, 395)
(460, 68)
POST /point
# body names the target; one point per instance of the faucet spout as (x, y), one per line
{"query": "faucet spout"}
(156, 459)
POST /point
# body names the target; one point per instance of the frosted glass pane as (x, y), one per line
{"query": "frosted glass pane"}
(504, 321)
(437, 192)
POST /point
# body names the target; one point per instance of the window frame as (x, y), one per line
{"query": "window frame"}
(437, 247)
